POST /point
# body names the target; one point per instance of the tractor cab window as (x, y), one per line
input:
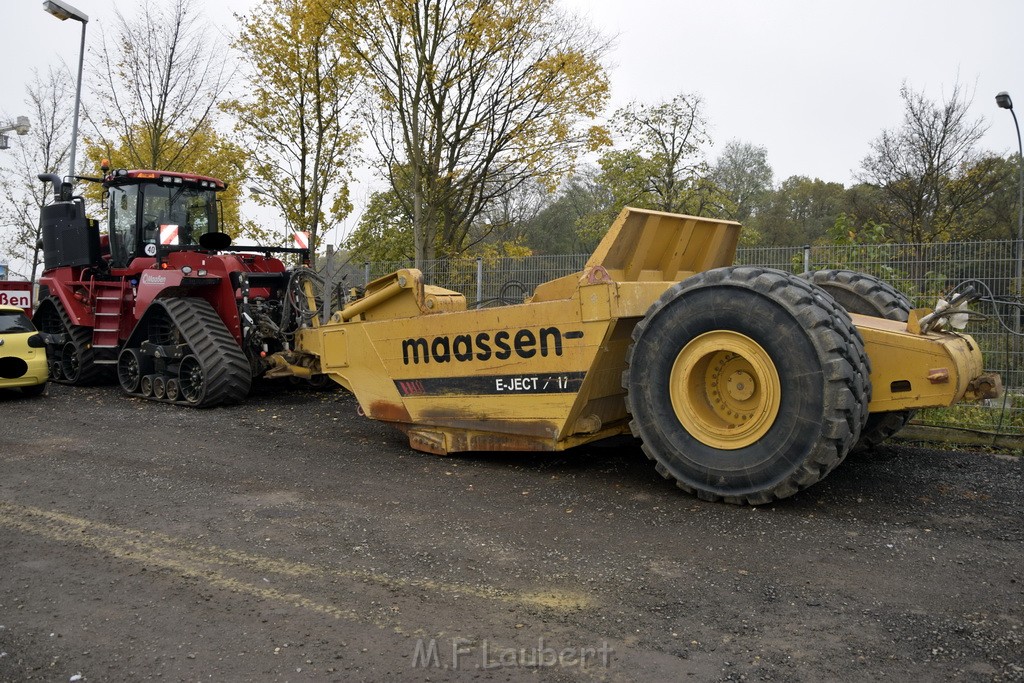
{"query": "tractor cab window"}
(176, 215)
(145, 215)
(122, 215)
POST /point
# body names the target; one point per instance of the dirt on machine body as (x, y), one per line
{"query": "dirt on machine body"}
(745, 384)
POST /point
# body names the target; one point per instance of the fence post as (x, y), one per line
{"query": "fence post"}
(807, 258)
(366, 274)
(479, 280)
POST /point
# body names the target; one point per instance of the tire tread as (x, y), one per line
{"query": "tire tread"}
(846, 369)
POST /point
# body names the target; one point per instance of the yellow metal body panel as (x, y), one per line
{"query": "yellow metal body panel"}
(916, 371)
(515, 370)
(401, 294)
(547, 374)
(653, 246)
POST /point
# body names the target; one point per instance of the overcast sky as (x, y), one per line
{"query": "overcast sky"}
(813, 81)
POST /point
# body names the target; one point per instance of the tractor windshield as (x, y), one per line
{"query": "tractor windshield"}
(177, 215)
(145, 215)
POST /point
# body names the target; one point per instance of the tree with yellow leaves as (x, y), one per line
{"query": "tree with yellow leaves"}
(294, 119)
(207, 153)
(469, 100)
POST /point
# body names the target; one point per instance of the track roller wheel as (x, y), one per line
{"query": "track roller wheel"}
(192, 380)
(146, 386)
(74, 362)
(746, 384)
(212, 370)
(172, 389)
(159, 387)
(131, 367)
(867, 295)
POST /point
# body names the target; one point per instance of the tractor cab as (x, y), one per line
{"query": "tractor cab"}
(152, 209)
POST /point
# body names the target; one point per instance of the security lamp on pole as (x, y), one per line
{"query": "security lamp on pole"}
(1004, 102)
(20, 126)
(64, 11)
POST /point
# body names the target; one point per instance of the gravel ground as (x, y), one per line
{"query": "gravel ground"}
(291, 540)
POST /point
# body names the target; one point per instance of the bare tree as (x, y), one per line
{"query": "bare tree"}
(927, 170)
(45, 149)
(159, 78)
(659, 162)
(471, 99)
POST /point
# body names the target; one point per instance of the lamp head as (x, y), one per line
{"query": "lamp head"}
(63, 11)
(1004, 101)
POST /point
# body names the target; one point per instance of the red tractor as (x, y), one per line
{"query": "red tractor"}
(159, 297)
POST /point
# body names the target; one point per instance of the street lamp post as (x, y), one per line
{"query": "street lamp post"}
(63, 11)
(1004, 102)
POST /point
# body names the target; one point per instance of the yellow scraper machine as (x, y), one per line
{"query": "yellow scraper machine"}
(745, 384)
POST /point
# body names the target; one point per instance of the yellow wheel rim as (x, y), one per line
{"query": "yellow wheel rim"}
(725, 389)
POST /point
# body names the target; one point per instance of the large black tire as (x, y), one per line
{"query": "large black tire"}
(746, 384)
(862, 293)
(227, 372)
(867, 295)
(74, 361)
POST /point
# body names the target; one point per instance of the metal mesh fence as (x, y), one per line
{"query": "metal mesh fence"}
(488, 281)
(924, 272)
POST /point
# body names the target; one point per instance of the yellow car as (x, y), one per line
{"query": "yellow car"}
(22, 353)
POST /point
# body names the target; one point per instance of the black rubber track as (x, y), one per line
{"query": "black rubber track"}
(89, 372)
(226, 371)
(823, 370)
(867, 295)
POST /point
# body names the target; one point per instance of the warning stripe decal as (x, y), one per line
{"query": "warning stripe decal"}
(168, 234)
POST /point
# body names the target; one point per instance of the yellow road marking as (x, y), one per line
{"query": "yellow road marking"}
(198, 560)
(204, 563)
